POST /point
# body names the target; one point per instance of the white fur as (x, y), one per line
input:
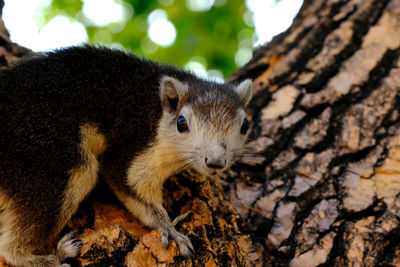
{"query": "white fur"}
(204, 140)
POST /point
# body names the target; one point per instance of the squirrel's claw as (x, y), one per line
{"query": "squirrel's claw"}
(185, 246)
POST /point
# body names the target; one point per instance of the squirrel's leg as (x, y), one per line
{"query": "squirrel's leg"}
(30, 223)
(25, 241)
(27, 230)
(155, 216)
(167, 229)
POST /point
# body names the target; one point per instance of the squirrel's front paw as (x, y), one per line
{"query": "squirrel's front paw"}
(185, 246)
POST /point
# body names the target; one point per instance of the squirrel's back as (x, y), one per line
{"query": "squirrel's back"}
(47, 98)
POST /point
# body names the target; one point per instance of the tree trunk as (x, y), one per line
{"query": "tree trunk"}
(320, 181)
(326, 121)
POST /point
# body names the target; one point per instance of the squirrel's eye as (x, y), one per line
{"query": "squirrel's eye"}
(181, 124)
(245, 127)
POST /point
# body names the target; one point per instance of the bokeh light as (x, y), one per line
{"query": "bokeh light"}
(161, 31)
(104, 12)
(58, 32)
(196, 67)
(199, 5)
(243, 55)
(223, 32)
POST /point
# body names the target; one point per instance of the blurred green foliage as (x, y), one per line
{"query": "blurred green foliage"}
(212, 37)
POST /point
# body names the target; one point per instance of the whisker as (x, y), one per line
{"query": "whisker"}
(178, 152)
(176, 162)
(248, 156)
(238, 149)
(186, 166)
(171, 140)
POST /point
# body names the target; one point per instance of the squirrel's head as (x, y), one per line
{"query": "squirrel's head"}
(204, 122)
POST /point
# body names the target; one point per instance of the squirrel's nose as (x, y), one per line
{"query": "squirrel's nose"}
(215, 163)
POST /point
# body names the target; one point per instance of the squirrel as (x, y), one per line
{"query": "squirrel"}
(74, 114)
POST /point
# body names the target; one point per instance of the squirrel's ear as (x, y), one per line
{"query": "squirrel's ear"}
(171, 91)
(245, 91)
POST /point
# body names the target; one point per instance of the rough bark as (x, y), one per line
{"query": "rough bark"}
(326, 121)
(320, 182)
